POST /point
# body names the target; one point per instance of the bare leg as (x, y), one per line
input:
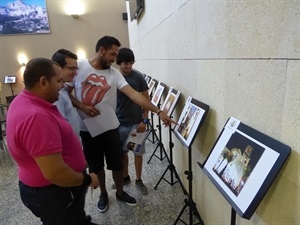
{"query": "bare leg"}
(125, 164)
(101, 177)
(118, 178)
(138, 162)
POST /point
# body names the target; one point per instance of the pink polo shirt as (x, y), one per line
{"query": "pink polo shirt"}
(35, 128)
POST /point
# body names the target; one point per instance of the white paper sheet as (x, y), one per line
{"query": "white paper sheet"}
(107, 120)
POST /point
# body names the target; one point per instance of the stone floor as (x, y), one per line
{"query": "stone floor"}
(160, 207)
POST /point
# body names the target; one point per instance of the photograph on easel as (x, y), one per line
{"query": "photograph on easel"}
(237, 161)
(147, 79)
(243, 164)
(151, 85)
(190, 120)
(158, 93)
(171, 101)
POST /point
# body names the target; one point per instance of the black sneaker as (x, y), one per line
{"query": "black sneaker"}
(102, 205)
(126, 180)
(127, 199)
(88, 218)
(88, 221)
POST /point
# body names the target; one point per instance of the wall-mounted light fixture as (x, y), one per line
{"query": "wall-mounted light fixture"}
(22, 59)
(75, 8)
(75, 16)
(81, 54)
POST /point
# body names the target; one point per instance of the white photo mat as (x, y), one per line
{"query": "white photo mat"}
(190, 120)
(171, 101)
(158, 93)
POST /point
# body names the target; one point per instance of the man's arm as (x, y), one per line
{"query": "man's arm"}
(91, 111)
(145, 111)
(58, 172)
(142, 126)
(142, 101)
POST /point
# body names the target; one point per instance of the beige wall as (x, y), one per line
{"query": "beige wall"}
(243, 59)
(101, 17)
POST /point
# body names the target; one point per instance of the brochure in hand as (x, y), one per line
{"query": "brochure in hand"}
(135, 141)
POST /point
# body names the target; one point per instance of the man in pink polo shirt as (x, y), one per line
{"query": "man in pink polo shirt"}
(51, 164)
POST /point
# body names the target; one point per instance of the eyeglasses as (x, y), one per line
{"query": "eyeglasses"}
(73, 68)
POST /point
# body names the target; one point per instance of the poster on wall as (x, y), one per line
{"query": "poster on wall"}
(23, 17)
(190, 121)
(242, 165)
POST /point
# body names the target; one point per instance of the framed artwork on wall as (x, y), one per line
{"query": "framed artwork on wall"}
(190, 121)
(158, 93)
(23, 17)
(242, 165)
(171, 101)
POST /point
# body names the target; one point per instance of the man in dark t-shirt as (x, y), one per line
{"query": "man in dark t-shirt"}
(132, 116)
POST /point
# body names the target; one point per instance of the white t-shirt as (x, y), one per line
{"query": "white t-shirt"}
(66, 109)
(94, 86)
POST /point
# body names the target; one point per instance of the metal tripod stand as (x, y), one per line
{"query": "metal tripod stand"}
(171, 168)
(188, 202)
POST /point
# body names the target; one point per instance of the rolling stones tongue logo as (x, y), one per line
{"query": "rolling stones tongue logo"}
(93, 89)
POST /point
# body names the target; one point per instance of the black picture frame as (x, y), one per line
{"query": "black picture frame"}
(136, 8)
(253, 161)
(10, 79)
(190, 121)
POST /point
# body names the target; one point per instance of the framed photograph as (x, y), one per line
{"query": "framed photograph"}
(147, 79)
(10, 79)
(190, 121)
(158, 93)
(171, 101)
(243, 164)
(151, 85)
(24, 17)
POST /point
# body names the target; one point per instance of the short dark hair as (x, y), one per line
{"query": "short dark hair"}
(60, 56)
(35, 69)
(125, 55)
(107, 42)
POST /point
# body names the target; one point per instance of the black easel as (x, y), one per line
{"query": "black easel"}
(152, 130)
(160, 145)
(189, 201)
(171, 167)
(151, 126)
(12, 90)
(233, 217)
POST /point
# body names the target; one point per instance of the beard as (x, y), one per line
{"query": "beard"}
(104, 64)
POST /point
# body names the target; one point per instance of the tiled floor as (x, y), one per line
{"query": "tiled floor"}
(159, 207)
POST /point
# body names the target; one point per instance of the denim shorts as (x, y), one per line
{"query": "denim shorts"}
(124, 132)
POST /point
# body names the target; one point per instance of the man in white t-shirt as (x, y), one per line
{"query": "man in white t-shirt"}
(96, 86)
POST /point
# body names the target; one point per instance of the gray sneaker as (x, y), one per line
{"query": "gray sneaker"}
(126, 180)
(141, 186)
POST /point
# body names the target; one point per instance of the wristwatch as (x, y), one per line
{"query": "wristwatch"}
(145, 120)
